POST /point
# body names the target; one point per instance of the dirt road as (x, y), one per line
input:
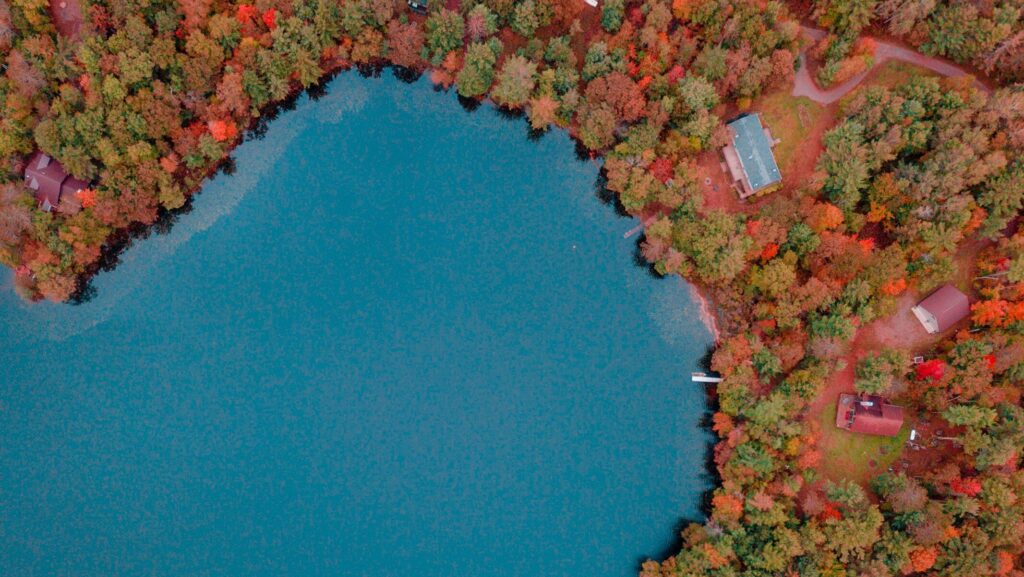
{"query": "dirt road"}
(804, 85)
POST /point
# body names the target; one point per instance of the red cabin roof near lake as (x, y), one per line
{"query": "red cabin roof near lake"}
(49, 181)
(870, 415)
(942, 309)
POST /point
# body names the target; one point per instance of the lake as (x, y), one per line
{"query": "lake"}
(402, 339)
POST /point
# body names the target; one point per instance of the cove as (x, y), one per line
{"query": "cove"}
(401, 339)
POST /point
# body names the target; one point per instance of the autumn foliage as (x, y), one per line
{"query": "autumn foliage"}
(223, 130)
(156, 94)
(269, 18)
(969, 486)
(997, 312)
(245, 13)
(923, 559)
(727, 507)
(932, 370)
(894, 287)
(87, 197)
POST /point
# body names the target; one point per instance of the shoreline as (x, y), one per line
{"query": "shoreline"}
(121, 239)
(707, 313)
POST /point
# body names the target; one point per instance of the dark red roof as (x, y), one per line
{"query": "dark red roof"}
(869, 415)
(45, 176)
(72, 185)
(948, 305)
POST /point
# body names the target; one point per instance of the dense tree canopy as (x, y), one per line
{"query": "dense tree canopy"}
(147, 98)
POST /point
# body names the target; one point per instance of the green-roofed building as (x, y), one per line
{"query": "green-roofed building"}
(749, 158)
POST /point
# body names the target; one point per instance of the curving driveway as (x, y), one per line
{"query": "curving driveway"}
(804, 85)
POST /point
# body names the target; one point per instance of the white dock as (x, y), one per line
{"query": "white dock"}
(704, 378)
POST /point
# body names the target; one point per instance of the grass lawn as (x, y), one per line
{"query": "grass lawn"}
(890, 74)
(791, 119)
(895, 72)
(855, 456)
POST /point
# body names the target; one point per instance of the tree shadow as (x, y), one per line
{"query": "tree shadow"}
(582, 152)
(84, 292)
(608, 197)
(228, 166)
(406, 75)
(705, 360)
(709, 475)
(512, 115)
(370, 70)
(468, 104)
(288, 104)
(122, 239)
(641, 261)
(319, 90)
(258, 128)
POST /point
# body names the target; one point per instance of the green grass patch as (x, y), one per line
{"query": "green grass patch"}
(895, 72)
(856, 456)
(790, 119)
(890, 74)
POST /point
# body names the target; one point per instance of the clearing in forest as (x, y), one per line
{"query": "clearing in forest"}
(855, 456)
(799, 123)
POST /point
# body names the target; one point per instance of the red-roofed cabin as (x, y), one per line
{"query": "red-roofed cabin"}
(49, 181)
(870, 415)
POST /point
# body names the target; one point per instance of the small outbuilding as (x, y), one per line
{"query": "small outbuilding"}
(870, 415)
(49, 181)
(418, 6)
(749, 158)
(942, 309)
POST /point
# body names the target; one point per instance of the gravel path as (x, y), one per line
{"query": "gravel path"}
(804, 85)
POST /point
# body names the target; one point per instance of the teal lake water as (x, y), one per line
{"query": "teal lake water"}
(401, 340)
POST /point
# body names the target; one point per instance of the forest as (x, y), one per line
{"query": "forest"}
(916, 183)
(987, 35)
